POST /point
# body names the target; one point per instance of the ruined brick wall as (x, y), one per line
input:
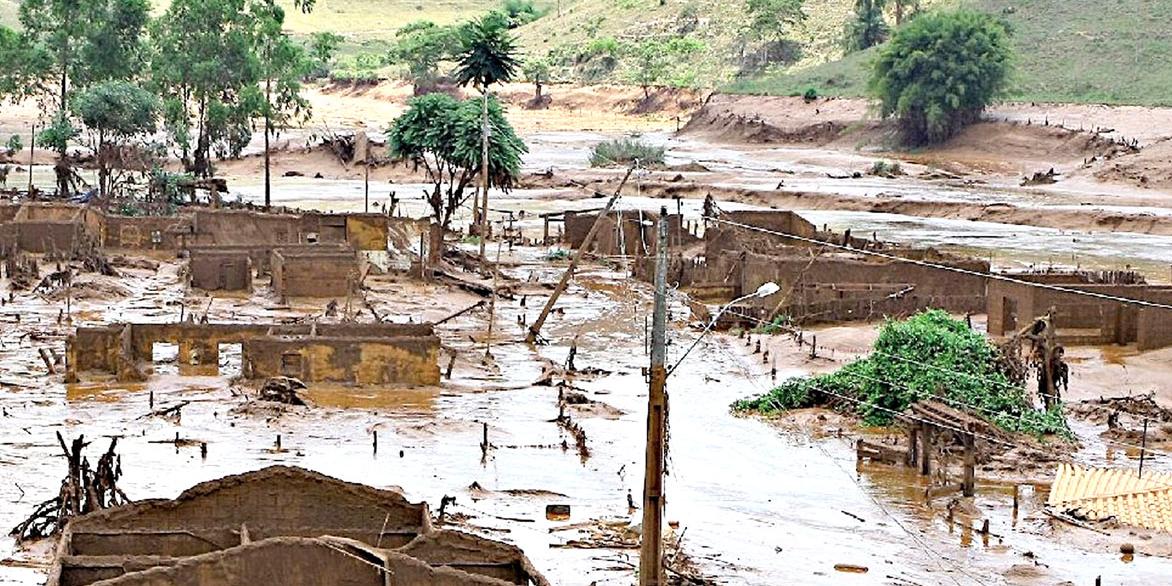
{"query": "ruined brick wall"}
(1081, 319)
(720, 238)
(213, 270)
(145, 232)
(367, 231)
(638, 236)
(407, 360)
(294, 561)
(273, 502)
(305, 273)
(238, 227)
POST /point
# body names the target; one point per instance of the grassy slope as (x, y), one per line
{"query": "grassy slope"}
(1067, 51)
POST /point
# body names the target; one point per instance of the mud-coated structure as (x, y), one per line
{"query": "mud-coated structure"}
(1083, 319)
(279, 525)
(817, 283)
(312, 272)
(366, 354)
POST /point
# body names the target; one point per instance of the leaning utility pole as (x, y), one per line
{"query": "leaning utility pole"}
(651, 549)
(535, 329)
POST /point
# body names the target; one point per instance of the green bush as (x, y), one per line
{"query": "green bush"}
(810, 95)
(930, 355)
(886, 169)
(521, 12)
(15, 144)
(940, 71)
(624, 151)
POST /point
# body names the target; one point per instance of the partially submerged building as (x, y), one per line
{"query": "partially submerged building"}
(313, 272)
(1096, 319)
(279, 525)
(817, 283)
(352, 353)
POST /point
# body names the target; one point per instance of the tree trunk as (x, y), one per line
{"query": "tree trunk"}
(484, 175)
(268, 129)
(62, 167)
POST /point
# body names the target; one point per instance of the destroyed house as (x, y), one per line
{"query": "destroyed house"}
(626, 232)
(279, 525)
(817, 284)
(351, 353)
(1083, 319)
(310, 272)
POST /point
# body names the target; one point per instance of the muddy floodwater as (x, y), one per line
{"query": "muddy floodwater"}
(756, 501)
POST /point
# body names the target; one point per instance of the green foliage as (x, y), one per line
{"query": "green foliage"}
(537, 70)
(321, 49)
(57, 134)
(625, 151)
(557, 254)
(112, 42)
(421, 46)
(867, 28)
(810, 95)
(774, 19)
(886, 169)
(488, 53)
(14, 145)
(776, 326)
(443, 136)
(114, 112)
(206, 69)
(929, 355)
(117, 109)
(940, 71)
(521, 12)
(653, 60)
(26, 65)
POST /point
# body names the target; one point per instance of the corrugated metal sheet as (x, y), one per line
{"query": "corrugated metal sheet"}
(1100, 493)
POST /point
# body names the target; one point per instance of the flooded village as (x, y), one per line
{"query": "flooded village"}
(768, 349)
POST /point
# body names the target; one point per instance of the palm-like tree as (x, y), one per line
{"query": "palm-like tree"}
(489, 56)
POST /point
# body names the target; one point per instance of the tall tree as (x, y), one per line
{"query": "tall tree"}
(207, 72)
(940, 71)
(87, 41)
(442, 136)
(282, 63)
(867, 28)
(905, 9)
(421, 46)
(772, 20)
(114, 112)
(489, 56)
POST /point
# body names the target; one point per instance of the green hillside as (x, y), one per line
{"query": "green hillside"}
(1067, 51)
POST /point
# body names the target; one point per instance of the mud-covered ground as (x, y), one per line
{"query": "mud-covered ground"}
(756, 501)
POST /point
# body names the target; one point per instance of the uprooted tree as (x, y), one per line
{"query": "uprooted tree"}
(928, 356)
(939, 72)
(442, 136)
(83, 490)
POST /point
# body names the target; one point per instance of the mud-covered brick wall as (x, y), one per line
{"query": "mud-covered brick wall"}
(299, 562)
(305, 273)
(638, 235)
(366, 231)
(408, 360)
(94, 348)
(214, 270)
(724, 237)
(237, 227)
(928, 282)
(1155, 327)
(45, 237)
(146, 232)
(472, 554)
(273, 504)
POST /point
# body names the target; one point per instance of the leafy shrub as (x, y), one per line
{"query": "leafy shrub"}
(15, 144)
(521, 12)
(886, 169)
(940, 71)
(810, 95)
(930, 355)
(624, 151)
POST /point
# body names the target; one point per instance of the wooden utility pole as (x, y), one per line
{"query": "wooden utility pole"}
(651, 548)
(32, 156)
(535, 329)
